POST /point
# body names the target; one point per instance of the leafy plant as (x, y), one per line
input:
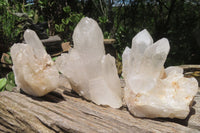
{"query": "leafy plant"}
(15, 19)
(67, 25)
(52, 12)
(8, 31)
(8, 58)
(54, 58)
(3, 82)
(10, 81)
(7, 83)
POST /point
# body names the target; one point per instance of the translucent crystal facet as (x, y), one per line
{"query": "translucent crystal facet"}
(152, 91)
(91, 73)
(35, 72)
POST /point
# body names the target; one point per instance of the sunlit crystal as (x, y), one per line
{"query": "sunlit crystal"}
(35, 72)
(91, 73)
(152, 91)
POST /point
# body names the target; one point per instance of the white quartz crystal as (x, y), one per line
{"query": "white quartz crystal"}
(91, 73)
(35, 72)
(152, 91)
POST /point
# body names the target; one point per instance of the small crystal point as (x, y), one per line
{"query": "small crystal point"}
(152, 91)
(88, 39)
(91, 73)
(141, 41)
(33, 40)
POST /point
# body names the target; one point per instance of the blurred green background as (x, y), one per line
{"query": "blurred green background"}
(177, 20)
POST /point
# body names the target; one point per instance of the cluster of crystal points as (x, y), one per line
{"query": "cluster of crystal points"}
(91, 73)
(35, 72)
(152, 91)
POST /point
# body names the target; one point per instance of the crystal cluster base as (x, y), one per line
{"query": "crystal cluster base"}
(35, 72)
(92, 74)
(152, 91)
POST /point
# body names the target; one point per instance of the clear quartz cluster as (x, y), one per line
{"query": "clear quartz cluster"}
(152, 91)
(92, 74)
(35, 72)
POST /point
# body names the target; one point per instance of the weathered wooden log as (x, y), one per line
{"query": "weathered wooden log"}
(194, 119)
(63, 111)
(53, 44)
(108, 44)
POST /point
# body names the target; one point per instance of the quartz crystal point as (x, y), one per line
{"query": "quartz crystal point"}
(152, 91)
(91, 73)
(35, 72)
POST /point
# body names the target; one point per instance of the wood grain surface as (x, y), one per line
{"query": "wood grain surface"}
(65, 111)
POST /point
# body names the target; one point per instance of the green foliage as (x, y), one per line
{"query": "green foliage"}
(67, 9)
(174, 19)
(8, 21)
(15, 19)
(54, 58)
(7, 83)
(103, 21)
(67, 25)
(52, 12)
(3, 82)
(8, 59)
(121, 40)
(10, 81)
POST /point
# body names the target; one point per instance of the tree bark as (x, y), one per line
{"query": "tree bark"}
(63, 111)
